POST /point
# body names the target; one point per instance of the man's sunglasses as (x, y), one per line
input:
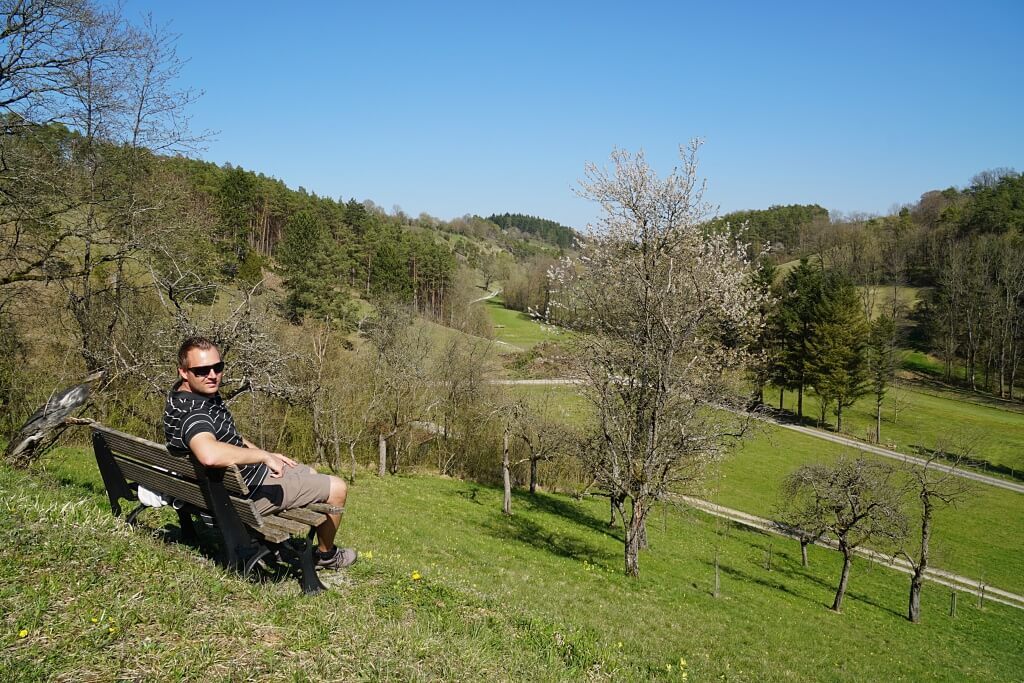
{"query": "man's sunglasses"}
(204, 370)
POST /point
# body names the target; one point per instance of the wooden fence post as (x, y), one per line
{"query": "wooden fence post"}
(718, 582)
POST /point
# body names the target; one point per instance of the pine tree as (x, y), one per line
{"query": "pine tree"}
(792, 323)
(836, 365)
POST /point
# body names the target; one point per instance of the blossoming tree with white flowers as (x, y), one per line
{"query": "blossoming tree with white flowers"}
(665, 309)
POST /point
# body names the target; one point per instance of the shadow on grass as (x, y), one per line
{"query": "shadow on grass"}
(519, 528)
(567, 510)
(964, 460)
(786, 416)
(208, 545)
(94, 489)
(746, 577)
(798, 572)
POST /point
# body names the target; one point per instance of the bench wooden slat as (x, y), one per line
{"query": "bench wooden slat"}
(307, 517)
(297, 528)
(272, 532)
(325, 508)
(157, 455)
(167, 483)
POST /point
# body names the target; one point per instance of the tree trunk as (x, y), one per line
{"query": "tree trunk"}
(395, 457)
(837, 604)
(635, 531)
(914, 609)
(782, 398)
(839, 416)
(615, 503)
(800, 403)
(878, 422)
(506, 474)
(352, 458)
(803, 552)
(382, 455)
(533, 476)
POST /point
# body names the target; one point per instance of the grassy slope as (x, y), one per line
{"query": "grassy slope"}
(517, 328)
(537, 596)
(981, 539)
(925, 419)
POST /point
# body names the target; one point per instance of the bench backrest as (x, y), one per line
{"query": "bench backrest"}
(151, 465)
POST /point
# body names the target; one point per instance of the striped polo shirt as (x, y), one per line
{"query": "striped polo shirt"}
(187, 413)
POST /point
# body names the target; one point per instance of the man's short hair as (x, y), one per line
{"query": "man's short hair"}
(193, 343)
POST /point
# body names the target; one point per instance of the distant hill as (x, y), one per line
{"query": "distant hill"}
(541, 228)
(780, 225)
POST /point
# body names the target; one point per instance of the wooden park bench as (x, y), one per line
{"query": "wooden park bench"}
(127, 461)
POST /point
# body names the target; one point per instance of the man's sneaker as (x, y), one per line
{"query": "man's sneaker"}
(336, 559)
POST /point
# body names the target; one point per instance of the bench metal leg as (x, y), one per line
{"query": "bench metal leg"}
(189, 536)
(303, 556)
(113, 479)
(250, 564)
(133, 516)
(311, 584)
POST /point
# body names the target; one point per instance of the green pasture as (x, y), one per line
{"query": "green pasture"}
(440, 336)
(980, 539)
(913, 420)
(883, 297)
(536, 596)
(517, 328)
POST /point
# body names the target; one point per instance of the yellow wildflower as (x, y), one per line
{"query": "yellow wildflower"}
(94, 620)
(368, 555)
(416, 576)
(22, 633)
(682, 662)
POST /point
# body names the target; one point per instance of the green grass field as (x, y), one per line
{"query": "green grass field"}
(924, 420)
(537, 596)
(517, 328)
(981, 539)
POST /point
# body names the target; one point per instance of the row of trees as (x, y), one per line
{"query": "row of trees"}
(861, 501)
(975, 314)
(541, 228)
(963, 248)
(819, 337)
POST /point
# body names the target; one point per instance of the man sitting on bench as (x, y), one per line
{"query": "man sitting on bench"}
(196, 419)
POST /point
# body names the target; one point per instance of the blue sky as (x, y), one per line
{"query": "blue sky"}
(477, 107)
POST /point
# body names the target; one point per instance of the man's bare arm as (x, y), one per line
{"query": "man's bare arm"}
(213, 453)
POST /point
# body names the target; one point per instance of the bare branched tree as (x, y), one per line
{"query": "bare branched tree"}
(541, 428)
(666, 311)
(934, 488)
(402, 377)
(856, 500)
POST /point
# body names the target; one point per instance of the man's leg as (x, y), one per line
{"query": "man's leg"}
(326, 532)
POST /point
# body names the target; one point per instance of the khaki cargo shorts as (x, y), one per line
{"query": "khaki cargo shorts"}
(297, 486)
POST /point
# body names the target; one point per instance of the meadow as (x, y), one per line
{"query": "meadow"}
(518, 329)
(980, 538)
(449, 588)
(916, 422)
